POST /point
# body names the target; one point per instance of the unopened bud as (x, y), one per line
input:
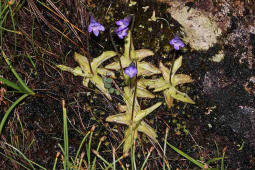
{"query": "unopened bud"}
(82, 155)
(113, 150)
(151, 149)
(93, 128)
(95, 152)
(102, 138)
(167, 130)
(57, 155)
(125, 155)
(224, 149)
(11, 2)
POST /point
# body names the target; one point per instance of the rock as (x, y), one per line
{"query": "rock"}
(214, 82)
(218, 57)
(200, 31)
(242, 122)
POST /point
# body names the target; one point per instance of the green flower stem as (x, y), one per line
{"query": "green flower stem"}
(132, 122)
(116, 50)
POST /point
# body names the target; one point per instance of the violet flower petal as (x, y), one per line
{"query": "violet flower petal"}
(92, 20)
(90, 28)
(96, 32)
(131, 71)
(101, 27)
(123, 23)
(177, 43)
(121, 33)
(95, 26)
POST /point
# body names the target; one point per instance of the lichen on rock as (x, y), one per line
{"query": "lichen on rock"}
(200, 31)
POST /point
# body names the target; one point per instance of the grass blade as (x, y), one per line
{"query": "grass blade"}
(24, 157)
(186, 156)
(81, 144)
(98, 146)
(10, 109)
(147, 157)
(89, 145)
(65, 136)
(10, 84)
(22, 83)
(56, 160)
(10, 158)
(164, 151)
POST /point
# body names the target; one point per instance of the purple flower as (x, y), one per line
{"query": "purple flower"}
(95, 26)
(122, 30)
(123, 23)
(121, 33)
(177, 43)
(131, 70)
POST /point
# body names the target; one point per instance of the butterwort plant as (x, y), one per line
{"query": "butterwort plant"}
(168, 82)
(94, 74)
(131, 55)
(95, 26)
(91, 71)
(136, 122)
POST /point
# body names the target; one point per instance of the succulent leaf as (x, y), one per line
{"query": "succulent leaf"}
(148, 130)
(147, 69)
(143, 53)
(165, 72)
(76, 71)
(140, 115)
(116, 65)
(85, 82)
(102, 58)
(122, 108)
(105, 72)
(181, 79)
(156, 84)
(142, 92)
(180, 96)
(118, 118)
(83, 62)
(128, 98)
(177, 64)
(168, 98)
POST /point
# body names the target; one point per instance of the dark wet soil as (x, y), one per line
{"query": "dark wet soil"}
(222, 120)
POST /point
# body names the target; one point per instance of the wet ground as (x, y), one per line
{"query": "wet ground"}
(222, 120)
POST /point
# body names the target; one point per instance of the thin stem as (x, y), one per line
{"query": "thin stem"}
(87, 41)
(164, 151)
(132, 130)
(133, 22)
(133, 104)
(131, 28)
(147, 157)
(117, 51)
(170, 69)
